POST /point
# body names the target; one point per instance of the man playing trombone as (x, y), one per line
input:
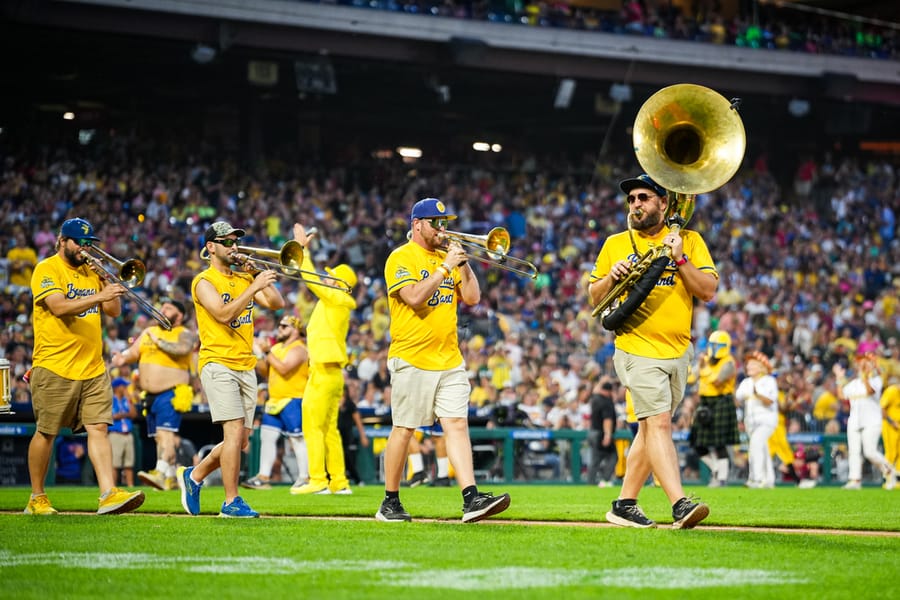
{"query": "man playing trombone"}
(69, 383)
(223, 300)
(425, 281)
(326, 332)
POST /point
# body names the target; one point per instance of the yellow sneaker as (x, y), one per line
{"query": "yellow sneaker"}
(40, 505)
(153, 478)
(171, 484)
(310, 488)
(119, 501)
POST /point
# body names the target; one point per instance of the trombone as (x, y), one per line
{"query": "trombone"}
(128, 273)
(493, 248)
(285, 261)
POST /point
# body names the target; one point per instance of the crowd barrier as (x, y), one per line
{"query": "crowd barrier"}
(501, 455)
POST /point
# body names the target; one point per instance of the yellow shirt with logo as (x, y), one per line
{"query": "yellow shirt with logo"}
(660, 327)
(709, 375)
(329, 323)
(70, 346)
(152, 354)
(229, 344)
(425, 337)
(284, 388)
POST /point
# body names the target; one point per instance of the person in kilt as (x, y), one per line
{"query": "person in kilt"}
(715, 424)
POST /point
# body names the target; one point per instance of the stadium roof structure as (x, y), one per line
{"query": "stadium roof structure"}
(373, 77)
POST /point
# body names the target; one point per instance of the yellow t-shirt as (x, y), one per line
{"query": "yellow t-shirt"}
(826, 406)
(661, 326)
(29, 256)
(890, 401)
(230, 345)
(426, 338)
(72, 346)
(284, 388)
(709, 374)
(152, 354)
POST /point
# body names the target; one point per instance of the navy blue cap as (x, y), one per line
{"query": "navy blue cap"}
(119, 381)
(642, 181)
(430, 208)
(78, 229)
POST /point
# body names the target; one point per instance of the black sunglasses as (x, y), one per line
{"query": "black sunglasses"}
(642, 197)
(227, 242)
(284, 324)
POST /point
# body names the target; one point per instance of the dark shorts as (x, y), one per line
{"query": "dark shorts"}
(161, 414)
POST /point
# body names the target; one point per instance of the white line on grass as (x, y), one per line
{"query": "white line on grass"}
(396, 573)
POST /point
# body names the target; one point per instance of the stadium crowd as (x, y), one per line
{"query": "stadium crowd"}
(810, 273)
(771, 26)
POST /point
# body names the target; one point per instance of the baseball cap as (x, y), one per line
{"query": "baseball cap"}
(642, 181)
(78, 229)
(119, 381)
(175, 303)
(430, 208)
(344, 272)
(220, 229)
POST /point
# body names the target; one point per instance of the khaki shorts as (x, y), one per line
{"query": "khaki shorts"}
(419, 396)
(59, 402)
(656, 385)
(122, 445)
(231, 394)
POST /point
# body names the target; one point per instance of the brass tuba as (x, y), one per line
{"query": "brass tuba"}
(690, 140)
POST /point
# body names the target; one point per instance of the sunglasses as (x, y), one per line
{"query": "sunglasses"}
(438, 223)
(227, 242)
(82, 242)
(642, 197)
(284, 324)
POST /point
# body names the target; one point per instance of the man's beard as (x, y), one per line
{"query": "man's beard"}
(647, 221)
(75, 258)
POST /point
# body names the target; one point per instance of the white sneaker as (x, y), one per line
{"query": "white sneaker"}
(890, 479)
(853, 485)
(806, 484)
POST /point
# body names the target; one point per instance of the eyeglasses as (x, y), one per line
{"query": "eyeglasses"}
(284, 324)
(642, 197)
(227, 242)
(438, 223)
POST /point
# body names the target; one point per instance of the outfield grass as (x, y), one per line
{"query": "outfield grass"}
(160, 552)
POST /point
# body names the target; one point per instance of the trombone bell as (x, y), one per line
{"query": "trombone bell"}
(495, 247)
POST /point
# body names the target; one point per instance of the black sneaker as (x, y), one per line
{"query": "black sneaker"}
(441, 482)
(418, 478)
(628, 515)
(687, 514)
(391, 510)
(484, 505)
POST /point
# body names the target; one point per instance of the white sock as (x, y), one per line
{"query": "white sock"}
(722, 469)
(443, 467)
(299, 446)
(268, 450)
(162, 466)
(416, 462)
(171, 470)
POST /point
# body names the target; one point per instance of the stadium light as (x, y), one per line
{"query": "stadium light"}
(564, 92)
(69, 115)
(496, 147)
(203, 54)
(481, 146)
(409, 152)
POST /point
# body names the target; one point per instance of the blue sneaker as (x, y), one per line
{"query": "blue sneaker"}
(238, 509)
(190, 491)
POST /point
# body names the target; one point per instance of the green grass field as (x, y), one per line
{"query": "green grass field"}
(159, 552)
